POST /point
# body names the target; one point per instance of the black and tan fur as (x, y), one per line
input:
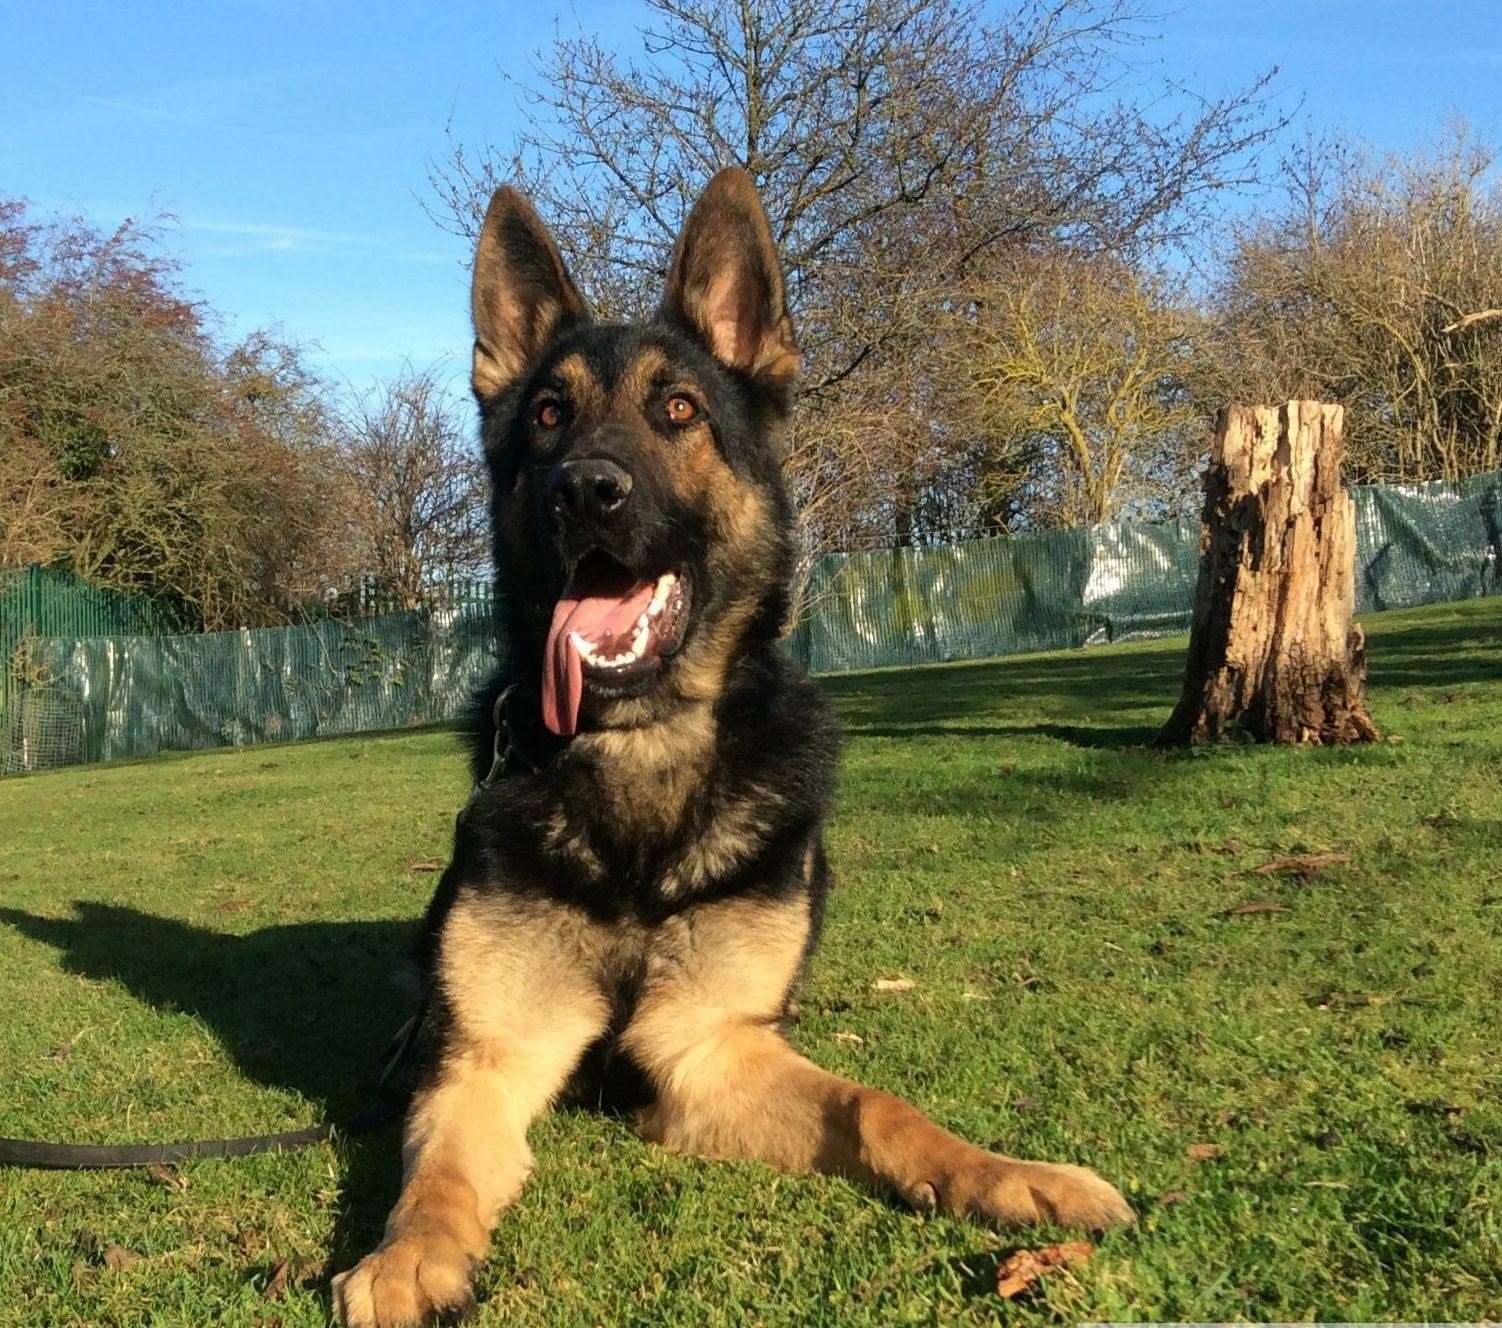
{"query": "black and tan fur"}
(637, 911)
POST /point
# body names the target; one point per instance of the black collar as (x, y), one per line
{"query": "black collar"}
(520, 744)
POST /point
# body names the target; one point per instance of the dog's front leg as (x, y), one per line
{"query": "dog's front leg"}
(729, 1085)
(516, 1009)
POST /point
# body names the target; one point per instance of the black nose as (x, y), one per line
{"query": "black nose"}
(591, 487)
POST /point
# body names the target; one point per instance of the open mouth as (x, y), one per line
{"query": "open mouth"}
(611, 630)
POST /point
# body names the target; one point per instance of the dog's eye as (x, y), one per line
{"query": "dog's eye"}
(549, 414)
(681, 410)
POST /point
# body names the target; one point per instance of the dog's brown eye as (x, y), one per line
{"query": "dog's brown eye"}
(549, 414)
(681, 410)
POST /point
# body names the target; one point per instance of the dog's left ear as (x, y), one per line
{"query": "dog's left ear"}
(725, 284)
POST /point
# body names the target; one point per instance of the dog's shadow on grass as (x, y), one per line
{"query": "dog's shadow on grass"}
(310, 1007)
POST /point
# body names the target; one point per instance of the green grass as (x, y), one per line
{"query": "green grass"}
(210, 945)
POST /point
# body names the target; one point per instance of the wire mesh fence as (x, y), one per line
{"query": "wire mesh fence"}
(100, 697)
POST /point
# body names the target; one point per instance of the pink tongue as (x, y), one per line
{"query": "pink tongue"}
(608, 623)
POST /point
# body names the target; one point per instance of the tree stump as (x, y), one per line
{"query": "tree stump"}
(1273, 652)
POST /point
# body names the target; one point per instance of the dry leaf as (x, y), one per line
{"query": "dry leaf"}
(1252, 906)
(1020, 1271)
(1170, 1197)
(304, 1273)
(277, 1282)
(893, 984)
(117, 1257)
(168, 1176)
(854, 1039)
(1305, 864)
(1203, 1152)
(425, 865)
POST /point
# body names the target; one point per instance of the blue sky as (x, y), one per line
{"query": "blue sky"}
(291, 140)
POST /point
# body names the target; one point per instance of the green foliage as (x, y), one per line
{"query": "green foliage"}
(1058, 892)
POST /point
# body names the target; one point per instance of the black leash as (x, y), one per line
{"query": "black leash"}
(507, 757)
(36, 1154)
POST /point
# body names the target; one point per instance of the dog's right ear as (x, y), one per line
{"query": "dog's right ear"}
(521, 294)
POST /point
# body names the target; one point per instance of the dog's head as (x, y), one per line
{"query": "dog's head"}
(641, 525)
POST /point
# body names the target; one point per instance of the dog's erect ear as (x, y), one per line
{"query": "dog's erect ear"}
(725, 283)
(520, 295)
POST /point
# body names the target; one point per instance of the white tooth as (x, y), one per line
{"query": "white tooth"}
(588, 652)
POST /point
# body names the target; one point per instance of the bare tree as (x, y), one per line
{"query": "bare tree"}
(418, 488)
(1076, 374)
(895, 142)
(1378, 286)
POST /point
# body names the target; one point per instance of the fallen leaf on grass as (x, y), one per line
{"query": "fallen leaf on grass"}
(277, 1282)
(1203, 1152)
(1170, 1197)
(1253, 906)
(165, 1175)
(103, 1254)
(292, 1272)
(854, 1039)
(117, 1257)
(893, 984)
(1024, 1269)
(425, 865)
(1305, 864)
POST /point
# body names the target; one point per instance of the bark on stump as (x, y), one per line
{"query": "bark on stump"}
(1273, 652)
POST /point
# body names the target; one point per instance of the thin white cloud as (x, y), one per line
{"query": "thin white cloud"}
(267, 237)
(272, 234)
(188, 118)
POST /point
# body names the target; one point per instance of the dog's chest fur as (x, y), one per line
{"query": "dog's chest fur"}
(640, 822)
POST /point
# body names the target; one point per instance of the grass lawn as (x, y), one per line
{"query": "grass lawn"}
(211, 945)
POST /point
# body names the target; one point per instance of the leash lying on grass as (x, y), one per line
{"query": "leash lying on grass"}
(40, 1155)
(508, 757)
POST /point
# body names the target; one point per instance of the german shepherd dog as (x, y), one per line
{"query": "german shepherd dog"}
(636, 910)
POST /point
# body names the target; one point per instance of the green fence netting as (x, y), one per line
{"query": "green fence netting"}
(1416, 544)
(41, 602)
(105, 698)
(100, 698)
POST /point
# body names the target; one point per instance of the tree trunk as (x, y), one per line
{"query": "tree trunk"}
(1273, 652)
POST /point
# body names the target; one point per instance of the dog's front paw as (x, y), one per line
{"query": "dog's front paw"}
(1010, 1193)
(406, 1281)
